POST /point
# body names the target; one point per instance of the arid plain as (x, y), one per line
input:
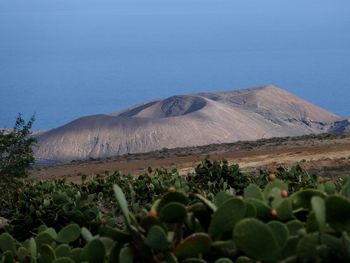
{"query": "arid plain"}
(323, 154)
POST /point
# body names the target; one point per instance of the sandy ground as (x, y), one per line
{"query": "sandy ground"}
(322, 155)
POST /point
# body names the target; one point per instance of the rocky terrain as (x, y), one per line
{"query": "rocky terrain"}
(188, 120)
(323, 154)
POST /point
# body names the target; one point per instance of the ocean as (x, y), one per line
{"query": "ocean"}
(63, 59)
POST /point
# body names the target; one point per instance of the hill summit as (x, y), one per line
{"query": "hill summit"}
(186, 120)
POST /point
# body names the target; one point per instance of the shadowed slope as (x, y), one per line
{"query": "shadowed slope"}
(340, 126)
(170, 107)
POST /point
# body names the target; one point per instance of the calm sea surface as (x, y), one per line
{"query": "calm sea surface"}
(67, 58)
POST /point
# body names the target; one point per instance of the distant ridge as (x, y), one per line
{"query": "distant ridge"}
(186, 120)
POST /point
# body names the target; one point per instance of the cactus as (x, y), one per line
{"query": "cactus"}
(107, 243)
(95, 251)
(47, 254)
(86, 234)
(256, 240)
(224, 248)
(149, 221)
(193, 246)
(206, 202)
(43, 238)
(172, 197)
(302, 199)
(319, 209)
(180, 227)
(7, 243)
(253, 191)
(223, 260)
(243, 259)
(280, 232)
(338, 213)
(115, 234)
(330, 188)
(222, 197)
(294, 226)
(275, 198)
(76, 254)
(274, 184)
(52, 232)
(345, 190)
(157, 239)
(42, 228)
(68, 234)
(173, 212)
(307, 246)
(114, 253)
(226, 216)
(313, 244)
(32, 248)
(263, 211)
(170, 258)
(23, 254)
(63, 250)
(126, 255)
(194, 260)
(285, 210)
(63, 260)
(250, 211)
(7, 257)
(311, 223)
(290, 248)
(122, 203)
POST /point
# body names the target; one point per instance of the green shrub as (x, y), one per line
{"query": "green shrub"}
(16, 154)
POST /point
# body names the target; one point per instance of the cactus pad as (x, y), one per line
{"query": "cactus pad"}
(256, 240)
(173, 212)
(157, 239)
(193, 246)
(68, 234)
(338, 213)
(226, 216)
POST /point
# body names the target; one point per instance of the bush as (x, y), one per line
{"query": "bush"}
(16, 154)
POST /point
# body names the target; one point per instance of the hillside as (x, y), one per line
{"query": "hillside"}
(188, 120)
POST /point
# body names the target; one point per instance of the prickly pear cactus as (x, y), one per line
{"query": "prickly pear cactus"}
(256, 240)
(68, 234)
(193, 246)
(173, 212)
(226, 216)
(338, 213)
(156, 222)
(157, 239)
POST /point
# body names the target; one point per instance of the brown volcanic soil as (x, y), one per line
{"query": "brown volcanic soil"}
(322, 154)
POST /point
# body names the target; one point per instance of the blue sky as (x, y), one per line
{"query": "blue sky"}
(64, 59)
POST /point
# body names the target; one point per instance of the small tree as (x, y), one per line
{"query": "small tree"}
(16, 153)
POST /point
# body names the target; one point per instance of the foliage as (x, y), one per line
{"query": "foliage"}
(56, 203)
(220, 176)
(163, 217)
(203, 232)
(16, 154)
(297, 178)
(52, 203)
